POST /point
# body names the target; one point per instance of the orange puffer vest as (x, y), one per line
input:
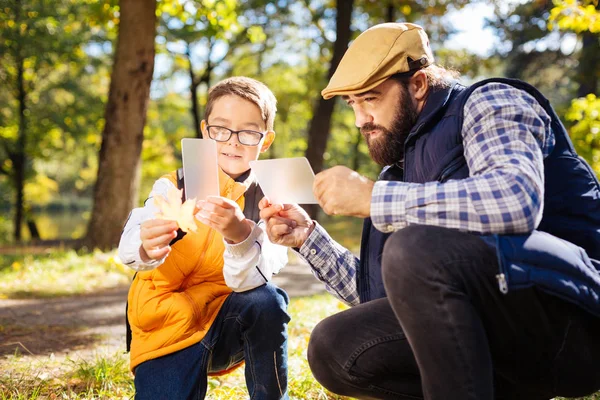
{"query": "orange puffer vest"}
(173, 306)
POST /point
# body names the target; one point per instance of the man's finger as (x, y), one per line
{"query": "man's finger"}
(279, 230)
(264, 202)
(268, 212)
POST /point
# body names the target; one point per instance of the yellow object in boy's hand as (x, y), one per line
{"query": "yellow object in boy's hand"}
(172, 209)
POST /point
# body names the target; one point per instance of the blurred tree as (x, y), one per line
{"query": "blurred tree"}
(584, 111)
(187, 25)
(319, 127)
(560, 63)
(116, 189)
(43, 68)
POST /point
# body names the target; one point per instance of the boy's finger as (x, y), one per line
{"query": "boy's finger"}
(153, 223)
(156, 231)
(159, 241)
(220, 201)
(157, 254)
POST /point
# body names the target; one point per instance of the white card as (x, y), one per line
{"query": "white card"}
(285, 180)
(200, 168)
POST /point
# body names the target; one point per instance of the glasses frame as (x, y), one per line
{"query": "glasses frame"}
(231, 132)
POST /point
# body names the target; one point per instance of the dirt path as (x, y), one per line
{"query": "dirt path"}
(79, 326)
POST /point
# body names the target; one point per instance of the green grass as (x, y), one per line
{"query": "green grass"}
(59, 273)
(106, 375)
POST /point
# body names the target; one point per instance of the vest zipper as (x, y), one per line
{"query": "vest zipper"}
(502, 285)
(449, 170)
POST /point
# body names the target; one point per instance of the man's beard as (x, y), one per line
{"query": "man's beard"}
(388, 147)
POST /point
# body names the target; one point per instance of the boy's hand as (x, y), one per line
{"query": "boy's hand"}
(287, 224)
(225, 216)
(156, 234)
(342, 191)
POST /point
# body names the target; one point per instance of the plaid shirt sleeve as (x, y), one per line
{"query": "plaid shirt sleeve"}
(506, 136)
(332, 264)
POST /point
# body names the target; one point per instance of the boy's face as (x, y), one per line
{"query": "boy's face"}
(237, 114)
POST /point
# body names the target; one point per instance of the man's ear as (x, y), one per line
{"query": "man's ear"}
(203, 129)
(419, 86)
(269, 137)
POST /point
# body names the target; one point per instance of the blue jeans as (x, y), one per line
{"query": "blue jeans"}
(251, 326)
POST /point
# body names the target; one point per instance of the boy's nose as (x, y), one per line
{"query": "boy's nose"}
(234, 140)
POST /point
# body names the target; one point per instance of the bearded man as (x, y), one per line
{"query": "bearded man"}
(478, 275)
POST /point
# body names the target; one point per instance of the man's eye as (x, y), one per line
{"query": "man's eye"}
(370, 99)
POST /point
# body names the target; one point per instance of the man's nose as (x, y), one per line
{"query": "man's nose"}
(362, 117)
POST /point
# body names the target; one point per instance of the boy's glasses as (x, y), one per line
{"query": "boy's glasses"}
(222, 134)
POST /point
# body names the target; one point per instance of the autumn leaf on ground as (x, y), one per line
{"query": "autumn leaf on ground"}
(172, 209)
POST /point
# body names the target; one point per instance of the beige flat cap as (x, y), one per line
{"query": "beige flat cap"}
(378, 53)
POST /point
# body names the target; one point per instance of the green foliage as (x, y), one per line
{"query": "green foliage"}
(573, 15)
(59, 273)
(584, 113)
(60, 97)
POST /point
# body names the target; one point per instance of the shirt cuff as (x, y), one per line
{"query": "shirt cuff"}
(133, 259)
(388, 205)
(238, 250)
(309, 249)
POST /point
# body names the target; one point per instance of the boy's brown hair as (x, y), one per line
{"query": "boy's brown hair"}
(248, 89)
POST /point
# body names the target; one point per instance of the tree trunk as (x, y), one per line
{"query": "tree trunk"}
(390, 12)
(588, 73)
(33, 229)
(194, 94)
(19, 157)
(115, 192)
(320, 125)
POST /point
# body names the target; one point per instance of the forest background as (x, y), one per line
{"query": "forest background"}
(96, 95)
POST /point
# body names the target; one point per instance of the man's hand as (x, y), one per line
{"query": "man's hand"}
(225, 216)
(156, 234)
(287, 224)
(341, 191)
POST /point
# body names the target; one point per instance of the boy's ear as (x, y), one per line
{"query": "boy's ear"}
(203, 129)
(269, 137)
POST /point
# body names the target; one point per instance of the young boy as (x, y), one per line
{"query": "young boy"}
(185, 320)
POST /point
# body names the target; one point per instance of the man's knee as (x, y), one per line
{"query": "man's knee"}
(322, 356)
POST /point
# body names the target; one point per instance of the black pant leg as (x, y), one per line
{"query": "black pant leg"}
(470, 340)
(363, 353)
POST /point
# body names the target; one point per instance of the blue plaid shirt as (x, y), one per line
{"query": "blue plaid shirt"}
(506, 136)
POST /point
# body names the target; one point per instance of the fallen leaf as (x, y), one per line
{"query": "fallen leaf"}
(174, 210)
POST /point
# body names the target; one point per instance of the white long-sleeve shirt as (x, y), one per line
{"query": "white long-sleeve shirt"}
(247, 264)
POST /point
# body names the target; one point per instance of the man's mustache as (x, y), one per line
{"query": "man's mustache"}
(369, 127)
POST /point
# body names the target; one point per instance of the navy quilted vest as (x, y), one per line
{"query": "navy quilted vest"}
(559, 257)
